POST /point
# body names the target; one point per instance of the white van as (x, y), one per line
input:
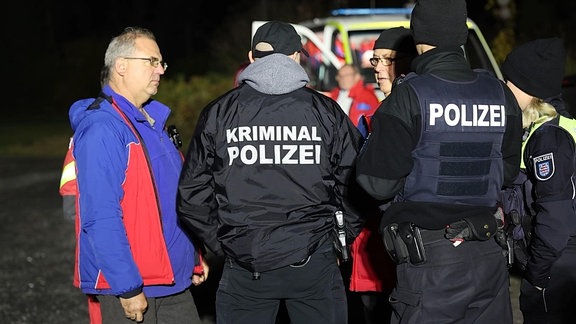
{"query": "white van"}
(348, 35)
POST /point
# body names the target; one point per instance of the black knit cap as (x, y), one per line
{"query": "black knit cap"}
(276, 37)
(440, 23)
(398, 39)
(537, 67)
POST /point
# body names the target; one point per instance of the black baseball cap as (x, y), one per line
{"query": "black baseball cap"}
(276, 37)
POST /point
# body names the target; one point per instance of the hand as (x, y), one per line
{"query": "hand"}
(474, 228)
(458, 231)
(199, 278)
(134, 307)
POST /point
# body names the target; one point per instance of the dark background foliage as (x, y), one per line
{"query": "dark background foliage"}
(53, 49)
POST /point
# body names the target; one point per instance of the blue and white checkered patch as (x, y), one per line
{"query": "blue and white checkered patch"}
(544, 166)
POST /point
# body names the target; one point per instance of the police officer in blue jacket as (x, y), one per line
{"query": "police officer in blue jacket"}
(534, 72)
(444, 143)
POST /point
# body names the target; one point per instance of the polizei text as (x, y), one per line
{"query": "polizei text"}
(473, 116)
(274, 145)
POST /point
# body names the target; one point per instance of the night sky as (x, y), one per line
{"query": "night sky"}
(53, 50)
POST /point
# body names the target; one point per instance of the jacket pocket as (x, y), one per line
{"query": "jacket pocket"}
(405, 303)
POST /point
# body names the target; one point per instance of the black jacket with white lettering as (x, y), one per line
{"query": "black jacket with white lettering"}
(387, 158)
(268, 165)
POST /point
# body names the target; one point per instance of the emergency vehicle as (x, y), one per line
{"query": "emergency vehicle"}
(348, 35)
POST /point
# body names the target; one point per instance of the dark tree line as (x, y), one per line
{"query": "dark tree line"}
(54, 49)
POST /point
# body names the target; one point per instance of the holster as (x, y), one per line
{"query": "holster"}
(403, 243)
(340, 246)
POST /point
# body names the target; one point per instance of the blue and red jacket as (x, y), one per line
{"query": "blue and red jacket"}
(127, 171)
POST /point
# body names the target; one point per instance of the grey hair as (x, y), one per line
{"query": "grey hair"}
(122, 46)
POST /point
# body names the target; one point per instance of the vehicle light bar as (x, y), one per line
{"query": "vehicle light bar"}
(371, 11)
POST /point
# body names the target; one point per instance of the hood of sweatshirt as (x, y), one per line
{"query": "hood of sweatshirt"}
(274, 74)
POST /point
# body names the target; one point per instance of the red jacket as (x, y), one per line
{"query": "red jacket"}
(372, 269)
(364, 101)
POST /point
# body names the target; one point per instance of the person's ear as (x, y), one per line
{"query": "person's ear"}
(120, 66)
(295, 56)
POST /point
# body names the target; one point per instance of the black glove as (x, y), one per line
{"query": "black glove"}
(458, 231)
(475, 228)
(500, 235)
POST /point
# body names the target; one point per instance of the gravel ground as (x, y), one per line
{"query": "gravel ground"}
(37, 251)
(37, 247)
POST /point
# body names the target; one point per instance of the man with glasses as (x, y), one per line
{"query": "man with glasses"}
(132, 257)
(154, 61)
(393, 52)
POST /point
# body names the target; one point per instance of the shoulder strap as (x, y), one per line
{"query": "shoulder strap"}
(401, 78)
(101, 97)
(104, 97)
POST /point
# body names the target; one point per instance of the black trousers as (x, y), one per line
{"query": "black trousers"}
(313, 293)
(555, 304)
(462, 284)
(174, 309)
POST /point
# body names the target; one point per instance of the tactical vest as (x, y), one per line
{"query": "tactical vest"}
(458, 158)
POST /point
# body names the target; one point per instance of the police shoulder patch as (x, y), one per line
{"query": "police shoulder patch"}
(544, 166)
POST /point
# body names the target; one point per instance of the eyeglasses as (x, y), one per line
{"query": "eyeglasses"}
(154, 61)
(385, 60)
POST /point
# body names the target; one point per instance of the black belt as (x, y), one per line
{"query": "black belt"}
(249, 267)
(246, 266)
(429, 236)
(312, 249)
(256, 274)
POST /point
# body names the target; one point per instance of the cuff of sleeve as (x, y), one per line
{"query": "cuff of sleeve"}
(198, 270)
(542, 283)
(131, 293)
